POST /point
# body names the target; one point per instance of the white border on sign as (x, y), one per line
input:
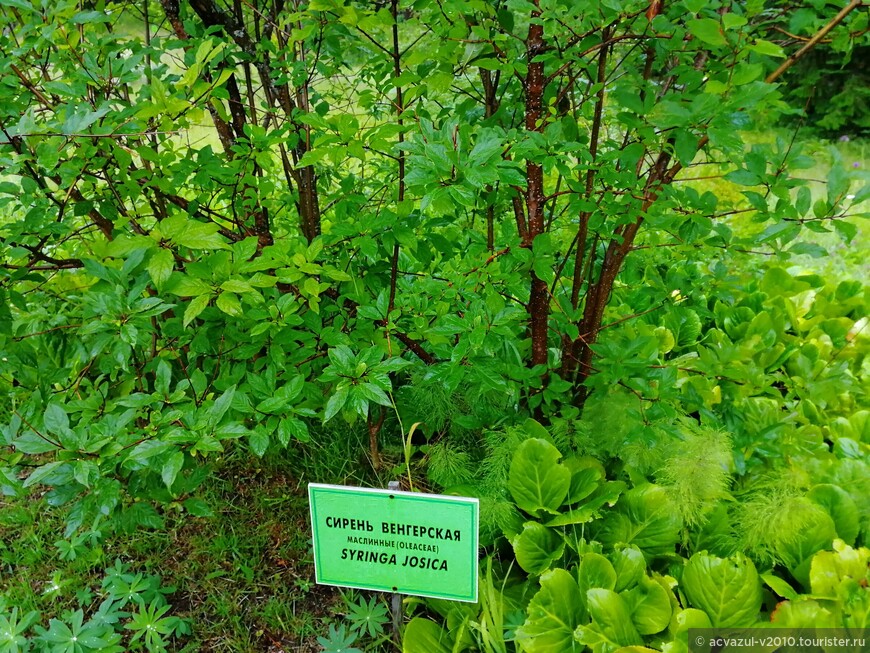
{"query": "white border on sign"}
(374, 490)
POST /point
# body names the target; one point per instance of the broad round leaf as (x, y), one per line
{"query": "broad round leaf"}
(644, 517)
(537, 481)
(650, 606)
(537, 547)
(553, 615)
(727, 589)
(425, 636)
(842, 509)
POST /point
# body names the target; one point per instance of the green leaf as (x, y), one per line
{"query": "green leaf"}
(229, 303)
(595, 571)
(727, 589)
(804, 612)
(645, 517)
(766, 48)
(685, 146)
(198, 235)
(44, 472)
(343, 359)
(810, 249)
(629, 564)
(194, 308)
(292, 427)
(804, 201)
(160, 266)
(553, 614)
(148, 449)
(373, 393)
(690, 618)
(222, 405)
(537, 481)
(732, 21)
(841, 507)
(537, 547)
(425, 636)
(650, 606)
(707, 30)
(779, 586)
(831, 569)
(237, 286)
(336, 402)
(57, 424)
(197, 507)
(20, 4)
(608, 493)
(259, 441)
(611, 623)
(171, 468)
(55, 419)
(812, 530)
(273, 405)
(586, 474)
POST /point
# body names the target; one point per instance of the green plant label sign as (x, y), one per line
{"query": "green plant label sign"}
(406, 542)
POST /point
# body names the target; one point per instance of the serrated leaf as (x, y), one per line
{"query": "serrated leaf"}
(160, 266)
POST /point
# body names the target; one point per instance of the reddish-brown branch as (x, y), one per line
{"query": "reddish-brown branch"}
(539, 301)
(396, 56)
(812, 42)
(374, 426)
(590, 173)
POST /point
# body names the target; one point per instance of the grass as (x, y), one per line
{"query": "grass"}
(843, 260)
(244, 577)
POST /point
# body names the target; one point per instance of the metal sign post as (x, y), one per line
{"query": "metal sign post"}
(396, 598)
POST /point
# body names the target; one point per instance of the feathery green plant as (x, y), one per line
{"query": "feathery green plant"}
(696, 473)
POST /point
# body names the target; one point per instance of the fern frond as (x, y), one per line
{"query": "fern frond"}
(449, 465)
(772, 515)
(696, 471)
